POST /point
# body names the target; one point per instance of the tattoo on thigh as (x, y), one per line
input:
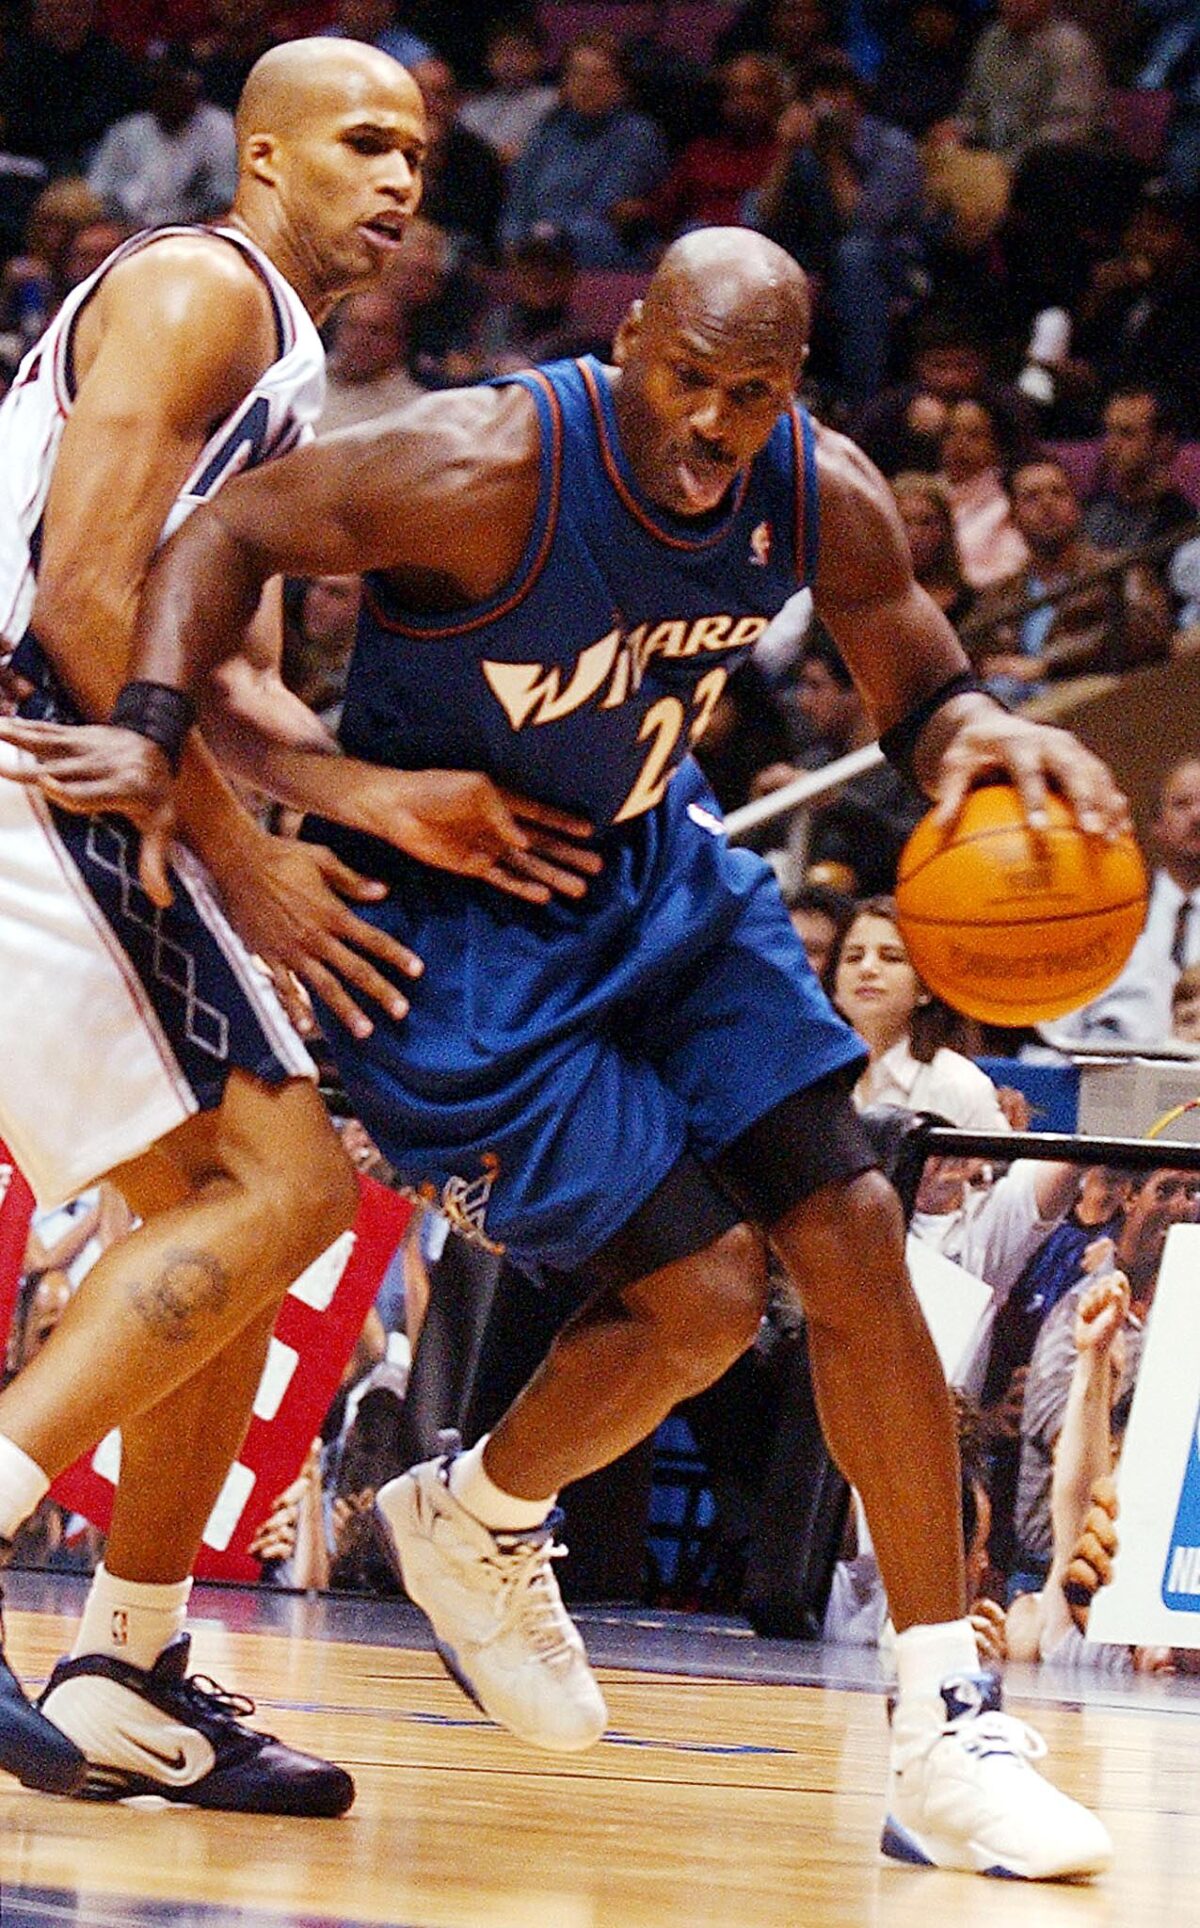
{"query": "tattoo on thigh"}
(186, 1286)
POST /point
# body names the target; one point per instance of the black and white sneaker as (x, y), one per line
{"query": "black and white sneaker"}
(31, 1747)
(158, 1732)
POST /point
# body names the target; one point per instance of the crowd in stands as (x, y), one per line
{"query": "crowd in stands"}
(998, 206)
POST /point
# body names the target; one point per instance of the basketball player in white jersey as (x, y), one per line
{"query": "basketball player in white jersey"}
(138, 1041)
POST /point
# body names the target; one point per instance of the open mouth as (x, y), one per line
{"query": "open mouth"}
(703, 483)
(386, 230)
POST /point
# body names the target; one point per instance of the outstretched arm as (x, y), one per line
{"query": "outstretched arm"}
(904, 654)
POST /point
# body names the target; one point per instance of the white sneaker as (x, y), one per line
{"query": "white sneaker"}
(963, 1793)
(501, 1627)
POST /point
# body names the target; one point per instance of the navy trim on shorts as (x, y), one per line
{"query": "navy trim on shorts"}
(811, 1139)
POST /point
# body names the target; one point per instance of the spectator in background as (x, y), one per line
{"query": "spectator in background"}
(902, 428)
(506, 113)
(535, 321)
(1112, 623)
(794, 30)
(1136, 501)
(92, 245)
(375, 21)
(918, 1045)
(924, 66)
(1035, 80)
(177, 162)
(590, 164)
(464, 176)
(845, 196)
(62, 84)
(1138, 321)
(928, 519)
(1185, 1005)
(746, 732)
(820, 916)
(440, 309)
(34, 281)
(1157, 1200)
(862, 829)
(711, 178)
(368, 362)
(991, 546)
(1136, 1008)
(238, 33)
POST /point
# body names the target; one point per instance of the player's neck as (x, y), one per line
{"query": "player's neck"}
(292, 260)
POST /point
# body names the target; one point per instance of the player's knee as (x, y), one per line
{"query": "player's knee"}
(716, 1316)
(298, 1184)
(844, 1248)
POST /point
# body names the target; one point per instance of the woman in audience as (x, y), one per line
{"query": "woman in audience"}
(989, 542)
(917, 1044)
(928, 520)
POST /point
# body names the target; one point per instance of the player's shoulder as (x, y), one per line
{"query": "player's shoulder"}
(177, 275)
(464, 433)
(844, 468)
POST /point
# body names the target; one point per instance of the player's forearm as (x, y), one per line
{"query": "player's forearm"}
(1084, 1452)
(200, 595)
(212, 820)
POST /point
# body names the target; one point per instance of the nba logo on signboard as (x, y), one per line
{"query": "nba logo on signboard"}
(1181, 1579)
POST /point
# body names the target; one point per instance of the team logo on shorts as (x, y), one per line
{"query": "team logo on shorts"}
(463, 1202)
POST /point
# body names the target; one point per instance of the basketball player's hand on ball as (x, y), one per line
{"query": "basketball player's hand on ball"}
(102, 767)
(1035, 757)
(460, 820)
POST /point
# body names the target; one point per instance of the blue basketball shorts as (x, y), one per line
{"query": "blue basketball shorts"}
(558, 1063)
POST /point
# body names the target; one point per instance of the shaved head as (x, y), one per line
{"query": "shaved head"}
(738, 282)
(302, 78)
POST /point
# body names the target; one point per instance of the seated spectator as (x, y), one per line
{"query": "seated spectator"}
(441, 309)
(177, 162)
(368, 362)
(1172, 61)
(746, 732)
(464, 176)
(1157, 1200)
(917, 1044)
(820, 917)
(711, 178)
(535, 321)
(1035, 80)
(1185, 1005)
(589, 165)
(34, 280)
(1136, 1008)
(506, 113)
(1135, 501)
(862, 829)
(62, 84)
(902, 428)
(924, 66)
(1138, 321)
(990, 544)
(91, 247)
(845, 196)
(375, 22)
(928, 520)
(237, 33)
(1108, 624)
(793, 30)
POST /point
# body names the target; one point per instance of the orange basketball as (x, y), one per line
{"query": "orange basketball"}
(1013, 925)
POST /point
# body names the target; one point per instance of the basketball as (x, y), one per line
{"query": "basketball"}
(1012, 925)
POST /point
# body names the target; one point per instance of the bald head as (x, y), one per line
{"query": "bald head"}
(747, 287)
(302, 79)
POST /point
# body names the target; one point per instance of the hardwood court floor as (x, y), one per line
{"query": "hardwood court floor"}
(740, 1802)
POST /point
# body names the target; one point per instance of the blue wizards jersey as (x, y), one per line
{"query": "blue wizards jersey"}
(587, 678)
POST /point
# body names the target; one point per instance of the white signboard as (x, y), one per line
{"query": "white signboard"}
(954, 1302)
(1154, 1596)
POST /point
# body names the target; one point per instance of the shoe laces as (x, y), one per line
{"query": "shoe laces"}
(531, 1601)
(207, 1697)
(994, 1733)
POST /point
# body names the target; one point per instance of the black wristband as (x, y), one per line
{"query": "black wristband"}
(158, 711)
(899, 743)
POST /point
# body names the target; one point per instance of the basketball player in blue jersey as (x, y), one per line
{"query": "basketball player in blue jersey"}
(645, 1085)
(138, 1041)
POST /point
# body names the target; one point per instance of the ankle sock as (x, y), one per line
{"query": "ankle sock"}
(488, 1503)
(131, 1619)
(926, 1656)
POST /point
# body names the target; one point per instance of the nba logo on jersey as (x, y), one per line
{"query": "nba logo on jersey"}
(760, 544)
(1181, 1580)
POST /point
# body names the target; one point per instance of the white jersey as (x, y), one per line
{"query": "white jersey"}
(278, 413)
(150, 1009)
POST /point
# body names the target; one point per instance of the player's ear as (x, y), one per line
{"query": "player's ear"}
(628, 330)
(261, 158)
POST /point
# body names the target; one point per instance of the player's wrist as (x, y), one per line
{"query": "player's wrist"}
(158, 712)
(901, 740)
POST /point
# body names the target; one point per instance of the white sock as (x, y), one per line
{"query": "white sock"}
(926, 1656)
(23, 1486)
(131, 1619)
(487, 1502)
